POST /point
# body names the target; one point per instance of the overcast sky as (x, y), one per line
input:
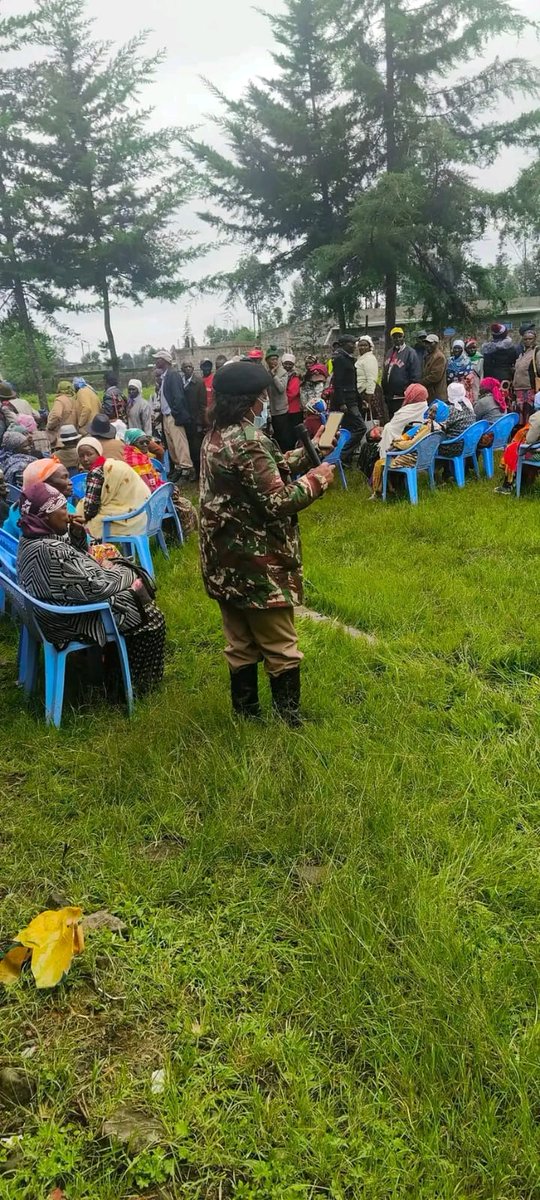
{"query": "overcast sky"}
(228, 44)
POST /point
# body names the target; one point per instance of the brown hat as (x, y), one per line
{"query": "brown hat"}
(6, 392)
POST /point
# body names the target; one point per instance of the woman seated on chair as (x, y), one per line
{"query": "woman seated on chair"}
(408, 442)
(112, 489)
(460, 418)
(51, 471)
(530, 434)
(50, 569)
(491, 403)
(136, 454)
(15, 454)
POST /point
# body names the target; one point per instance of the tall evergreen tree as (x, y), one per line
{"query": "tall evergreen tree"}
(298, 154)
(428, 126)
(122, 183)
(27, 193)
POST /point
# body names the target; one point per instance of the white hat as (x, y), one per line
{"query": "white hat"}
(135, 383)
(164, 354)
(364, 337)
(288, 356)
(432, 339)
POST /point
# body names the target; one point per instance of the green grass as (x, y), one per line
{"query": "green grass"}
(372, 1034)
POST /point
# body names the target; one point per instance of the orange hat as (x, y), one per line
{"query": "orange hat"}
(40, 470)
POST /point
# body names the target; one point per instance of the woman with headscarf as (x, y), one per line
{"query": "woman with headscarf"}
(112, 488)
(411, 413)
(491, 403)
(40, 470)
(460, 418)
(136, 447)
(459, 363)
(530, 434)
(312, 393)
(41, 445)
(52, 570)
(432, 420)
(63, 411)
(15, 454)
(367, 374)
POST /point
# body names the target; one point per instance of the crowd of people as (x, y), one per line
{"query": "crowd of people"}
(233, 426)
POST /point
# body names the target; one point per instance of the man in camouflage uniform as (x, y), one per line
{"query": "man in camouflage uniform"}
(250, 544)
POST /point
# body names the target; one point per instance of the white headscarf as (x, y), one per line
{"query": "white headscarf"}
(457, 396)
(366, 338)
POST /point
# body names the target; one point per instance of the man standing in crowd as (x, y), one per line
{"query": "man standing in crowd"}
(277, 395)
(176, 416)
(87, 404)
(401, 367)
(434, 369)
(345, 398)
(499, 354)
(420, 346)
(196, 397)
(207, 372)
(221, 359)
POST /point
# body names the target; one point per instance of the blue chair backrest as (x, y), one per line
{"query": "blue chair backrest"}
(344, 438)
(8, 562)
(8, 543)
(502, 430)
(472, 436)
(427, 450)
(160, 468)
(156, 507)
(78, 483)
(28, 608)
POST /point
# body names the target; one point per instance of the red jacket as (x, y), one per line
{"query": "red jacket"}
(293, 393)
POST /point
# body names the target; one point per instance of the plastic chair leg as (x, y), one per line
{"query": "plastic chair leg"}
(489, 465)
(475, 465)
(342, 476)
(145, 557)
(178, 524)
(126, 673)
(59, 685)
(162, 543)
(412, 485)
(431, 474)
(2, 602)
(50, 657)
(28, 661)
(518, 478)
(459, 470)
(384, 482)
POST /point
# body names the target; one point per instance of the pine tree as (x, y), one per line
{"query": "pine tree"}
(122, 184)
(297, 152)
(427, 129)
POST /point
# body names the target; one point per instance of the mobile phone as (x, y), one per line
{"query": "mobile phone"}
(326, 440)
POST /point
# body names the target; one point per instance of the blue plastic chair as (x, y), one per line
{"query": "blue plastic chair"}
(78, 483)
(523, 461)
(8, 561)
(425, 461)
(470, 439)
(27, 609)
(14, 493)
(502, 430)
(160, 468)
(155, 509)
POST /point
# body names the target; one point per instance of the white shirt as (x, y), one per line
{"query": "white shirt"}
(163, 403)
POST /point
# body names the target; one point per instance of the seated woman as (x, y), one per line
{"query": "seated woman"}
(49, 568)
(432, 420)
(15, 454)
(311, 393)
(530, 434)
(39, 438)
(461, 417)
(41, 470)
(411, 413)
(112, 488)
(136, 447)
(491, 403)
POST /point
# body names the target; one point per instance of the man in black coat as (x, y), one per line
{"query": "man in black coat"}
(345, 398)
(196, 399)
(177, 423)
(401, 367)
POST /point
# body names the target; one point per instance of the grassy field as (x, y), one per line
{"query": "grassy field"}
(332, 936)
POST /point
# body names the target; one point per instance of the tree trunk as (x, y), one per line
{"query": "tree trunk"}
(392, 154)
(26, 326)
(341, 316)
(115, 361)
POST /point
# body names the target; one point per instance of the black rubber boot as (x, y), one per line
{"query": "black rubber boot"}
(286, 696)
(245, 691)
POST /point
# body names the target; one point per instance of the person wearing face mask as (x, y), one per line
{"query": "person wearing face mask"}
(401, 368)
(250, 546)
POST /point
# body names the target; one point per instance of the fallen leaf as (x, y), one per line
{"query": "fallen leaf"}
(133, 1128)
(158, 1082)
(103, 920)
(12, 964)
(53, 937)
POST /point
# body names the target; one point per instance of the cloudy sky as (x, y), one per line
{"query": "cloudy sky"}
(228, 44)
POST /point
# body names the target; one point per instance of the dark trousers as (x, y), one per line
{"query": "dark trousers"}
(354, 422)
(195, 440)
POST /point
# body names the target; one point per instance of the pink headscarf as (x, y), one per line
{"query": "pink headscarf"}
(27, 422)
(492, 385)
(416, 393)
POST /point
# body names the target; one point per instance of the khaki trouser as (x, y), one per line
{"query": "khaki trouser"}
(260, 634)
(177, 443)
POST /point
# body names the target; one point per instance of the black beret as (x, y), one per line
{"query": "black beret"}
(241, 379)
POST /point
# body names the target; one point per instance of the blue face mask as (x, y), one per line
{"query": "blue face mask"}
(260, 420)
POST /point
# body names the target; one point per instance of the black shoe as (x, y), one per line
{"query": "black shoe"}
(245, 691)
(286, 696)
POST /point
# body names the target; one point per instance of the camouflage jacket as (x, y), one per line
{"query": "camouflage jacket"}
(250, 542)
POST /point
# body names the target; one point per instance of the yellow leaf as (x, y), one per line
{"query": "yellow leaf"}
(53, 937)
(11, 964)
